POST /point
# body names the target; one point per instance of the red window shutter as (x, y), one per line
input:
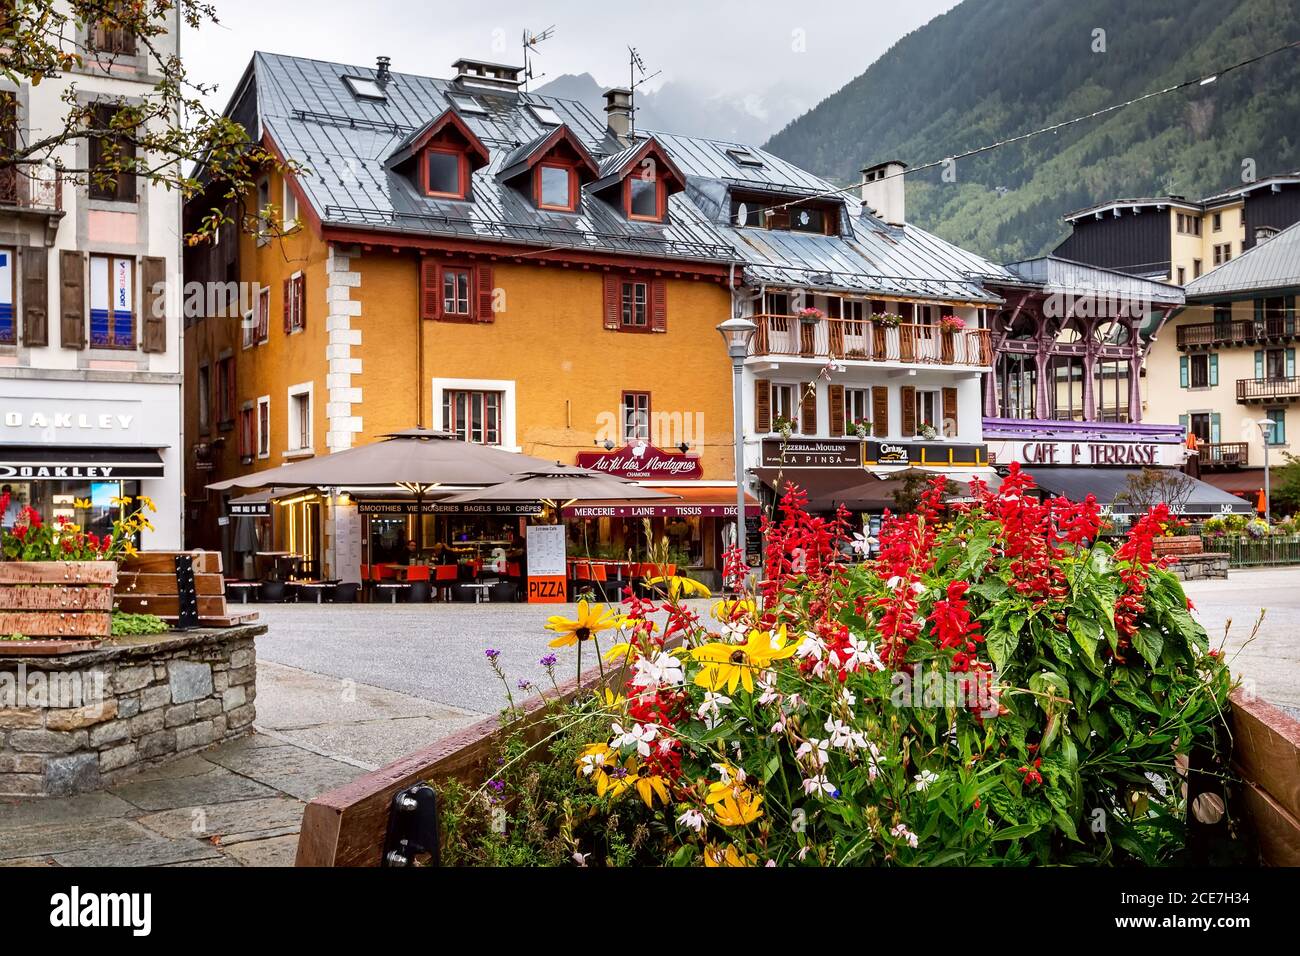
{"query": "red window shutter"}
(486, 290)
(613, 302)
(288, 305)
(762, 406)
(430, 292)
(300, 297)
(659, 305)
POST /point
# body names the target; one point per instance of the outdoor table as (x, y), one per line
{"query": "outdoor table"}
(316, 589)
(482, 591)
(241, 591)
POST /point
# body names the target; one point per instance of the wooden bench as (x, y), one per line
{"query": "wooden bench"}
(146, 584)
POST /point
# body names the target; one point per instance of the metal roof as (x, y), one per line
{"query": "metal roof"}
(1055, 274)
(343, 141)
(1272, 264)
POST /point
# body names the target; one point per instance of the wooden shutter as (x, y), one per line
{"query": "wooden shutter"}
(1184, 372)
(808, 408)
(72, 299)
(300, 299)
(485, 289)
(1214, 368)
(613, 302)
(1216, 425)
(659, 305)
(762, 406)
(880, 411)
(430, 292)
(153, 276)
(287, 288)
(950, 413)
(1290, 363)
(908, 396)
(836, 397)
(36, 297)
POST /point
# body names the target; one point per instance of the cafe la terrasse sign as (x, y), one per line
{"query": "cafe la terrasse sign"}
(1130, 454)
(642, 462)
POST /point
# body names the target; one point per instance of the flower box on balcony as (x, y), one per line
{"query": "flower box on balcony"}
(46, 605)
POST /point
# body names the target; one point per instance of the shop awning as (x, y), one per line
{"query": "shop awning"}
(690, 502)
(828, 488)
(79, 463)
(1108, 484)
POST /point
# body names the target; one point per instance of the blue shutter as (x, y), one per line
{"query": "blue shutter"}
(1184, 378)
(1183, 422)
(1290, 363)
(1279, 430)
(1259, 365)
(1214, 369)
(1215, 421)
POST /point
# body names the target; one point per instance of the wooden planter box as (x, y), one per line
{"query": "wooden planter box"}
(1173, 547)
(60, 605)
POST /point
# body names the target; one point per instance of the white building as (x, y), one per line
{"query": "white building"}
(90, 351)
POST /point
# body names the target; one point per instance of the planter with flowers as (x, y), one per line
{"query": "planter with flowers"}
(887, 336)
(927, 431)
(56, 579)
(862, 428)
(783, 427)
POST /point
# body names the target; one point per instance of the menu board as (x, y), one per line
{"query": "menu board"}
(546, 563)
(347, 543)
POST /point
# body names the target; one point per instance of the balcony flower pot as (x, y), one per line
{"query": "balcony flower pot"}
(50, 607)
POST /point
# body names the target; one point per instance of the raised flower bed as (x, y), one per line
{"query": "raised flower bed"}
(997, 687)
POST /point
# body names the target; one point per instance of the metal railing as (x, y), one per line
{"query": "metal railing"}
(35, 187)
(1267, 389)
(1258, 552)
(869, 341)
(1236, 332)
(1227, 454)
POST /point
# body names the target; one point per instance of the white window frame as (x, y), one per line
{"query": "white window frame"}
(262, 439)
(297, 310)
(295, 392)
(249, 337)
(863, 392)
(289, 201)
(936, 396)
(795, 403)
(508, 407)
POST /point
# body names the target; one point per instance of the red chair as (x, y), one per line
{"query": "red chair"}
(445, 576)
(418, 572)
(514, 569)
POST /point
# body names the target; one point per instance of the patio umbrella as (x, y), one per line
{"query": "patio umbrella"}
(418, 459)
(558, 484)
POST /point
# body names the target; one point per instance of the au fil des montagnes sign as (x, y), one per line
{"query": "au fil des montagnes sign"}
(642, 462)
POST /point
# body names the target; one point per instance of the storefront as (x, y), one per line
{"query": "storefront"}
(403, 530)
(80, 455)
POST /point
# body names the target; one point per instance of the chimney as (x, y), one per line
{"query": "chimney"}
(381, 70)
(882, 190)
(488, 76)
(618, 113)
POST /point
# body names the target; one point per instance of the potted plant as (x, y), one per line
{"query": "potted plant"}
(811, 316)
(952, 324)
(783, 427)
(862, 428)
(890, 320)
(927, 431)
(57, 579)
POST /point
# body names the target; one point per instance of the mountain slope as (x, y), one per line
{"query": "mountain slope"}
(989, 69)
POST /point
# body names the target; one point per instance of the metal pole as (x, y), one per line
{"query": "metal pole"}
(738, 430)
(1268, 500)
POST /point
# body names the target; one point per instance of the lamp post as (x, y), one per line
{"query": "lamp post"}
(737, 333)
(1266, 426)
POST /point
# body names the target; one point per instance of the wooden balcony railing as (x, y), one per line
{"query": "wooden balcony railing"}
(1278, 328)
(1267, 389)
(1229, 454)
(871, 342)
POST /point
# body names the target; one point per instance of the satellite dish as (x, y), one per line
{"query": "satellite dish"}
(803, 217)
(742, 214)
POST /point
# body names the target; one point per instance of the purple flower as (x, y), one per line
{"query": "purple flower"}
(524, 684)
(549, 660)
(498, 786)
(492, 653)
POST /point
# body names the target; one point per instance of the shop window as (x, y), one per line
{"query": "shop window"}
(264, 427)
(112, 156)
(636, 417)
(473, 416)
(8, 319)
(112, 302)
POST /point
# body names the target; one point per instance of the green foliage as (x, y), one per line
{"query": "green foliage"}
(125, 624)
(990, 69)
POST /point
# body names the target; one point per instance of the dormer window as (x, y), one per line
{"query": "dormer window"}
(557, 187)
(445, 173)
(644, 198)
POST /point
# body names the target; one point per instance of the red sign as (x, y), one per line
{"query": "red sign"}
(641, 461)
(548, 589)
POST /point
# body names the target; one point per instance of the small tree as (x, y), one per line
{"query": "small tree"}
(164, 136)
(1156, 486)
(1285, 486)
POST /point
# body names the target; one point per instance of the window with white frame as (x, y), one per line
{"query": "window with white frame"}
(929, 410)
(300, 437)
(636, 416)
(112, 302)
(264, 427)
(472, 416)
(289, 207)
(785, 405)
(249, 325)
(857, 408)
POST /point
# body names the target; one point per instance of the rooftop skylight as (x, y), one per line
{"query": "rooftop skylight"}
(744, 157)
(364, 88)
(545, 114)
(467, 104)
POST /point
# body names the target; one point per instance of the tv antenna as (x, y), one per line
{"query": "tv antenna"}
(531, 40)
(636, 75)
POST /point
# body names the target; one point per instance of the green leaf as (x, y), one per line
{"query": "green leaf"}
(1124, 717)
(1015, 832)
(1002, 644)
(1149, 643)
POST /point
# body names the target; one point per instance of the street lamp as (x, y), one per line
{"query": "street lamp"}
(737, 333)
(1266, 426)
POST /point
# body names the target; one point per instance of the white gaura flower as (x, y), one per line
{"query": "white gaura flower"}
(862, 653)
(712, 704)
(640, 737)
(767, 684)
(692, 818)
(861, 543)
(925, 778)
(844, 737)
(901, 832)
(817, 749)
(811, 646)
(894, 582)
(819, 784)
(796, 701)
(580, 858)
(849, 698)
(663, 669)
(778, 727)
(803, 852)
(726, 772)
(591, 762)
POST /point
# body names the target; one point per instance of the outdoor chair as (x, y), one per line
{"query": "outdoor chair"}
(385, 584)
(271, 592)
(418, 588)
(346, 593)
(445, 577)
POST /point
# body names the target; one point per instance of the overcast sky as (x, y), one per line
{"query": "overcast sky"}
(809, 49)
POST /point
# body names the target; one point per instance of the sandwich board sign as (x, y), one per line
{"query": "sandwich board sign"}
(546, 563)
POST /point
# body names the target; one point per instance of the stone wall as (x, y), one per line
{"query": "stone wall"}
(1200, 567)
(76, 722)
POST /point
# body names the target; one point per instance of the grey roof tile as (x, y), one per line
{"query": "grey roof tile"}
(1273, 264)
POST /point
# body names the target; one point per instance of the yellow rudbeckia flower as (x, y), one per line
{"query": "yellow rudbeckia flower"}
(729, 612)
(82, 503)
(730, 856)
(734, 804)
(591, 620)
(147, 502)
(732, 665)
(679, 586)
(607, 698)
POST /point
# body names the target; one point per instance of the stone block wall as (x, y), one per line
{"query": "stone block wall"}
(1201, 567)
(76, 722)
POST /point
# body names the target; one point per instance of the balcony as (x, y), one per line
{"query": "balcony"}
(1206, 335)
(866, 341)
(1252, 390)
(34, 192)
(1232, 454)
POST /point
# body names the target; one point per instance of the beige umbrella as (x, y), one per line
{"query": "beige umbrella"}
(557, 485)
